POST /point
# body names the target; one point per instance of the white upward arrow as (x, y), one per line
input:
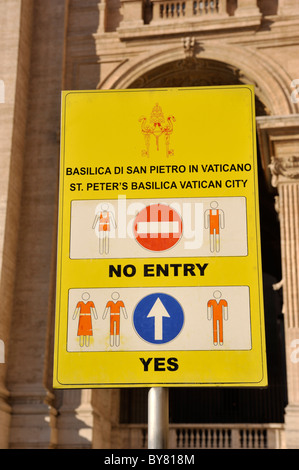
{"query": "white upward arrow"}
(158, 311)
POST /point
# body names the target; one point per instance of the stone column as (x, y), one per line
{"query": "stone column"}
(30, 423)
(16, 25)
(132, 11)
(105, 403)
(288, 7)
(285, 171)
(247, 8)
(102, 17)
(74, 423)
(31, 416)
(84, 418)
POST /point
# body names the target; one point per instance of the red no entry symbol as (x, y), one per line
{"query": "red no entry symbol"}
(158, 227)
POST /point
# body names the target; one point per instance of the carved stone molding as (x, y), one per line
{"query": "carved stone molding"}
(284, 169)
(278, 138)
(189, 44)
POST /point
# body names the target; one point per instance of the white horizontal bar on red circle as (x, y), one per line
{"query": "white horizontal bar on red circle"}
(158, 227)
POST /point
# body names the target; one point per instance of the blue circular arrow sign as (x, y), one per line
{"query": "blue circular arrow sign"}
(158, 318)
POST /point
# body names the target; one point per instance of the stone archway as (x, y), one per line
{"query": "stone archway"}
(217, 62)
(193, 72)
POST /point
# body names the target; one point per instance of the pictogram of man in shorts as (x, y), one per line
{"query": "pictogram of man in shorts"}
(214, 221)
(105, 220)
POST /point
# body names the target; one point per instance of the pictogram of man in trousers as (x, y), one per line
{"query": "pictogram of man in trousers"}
(115, 308)
(217, 311)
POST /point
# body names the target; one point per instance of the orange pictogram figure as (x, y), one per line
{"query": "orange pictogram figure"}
(115, 307)
(214, 221)
(105, 220)
(217, 311)
(85, 308)
(157, 126)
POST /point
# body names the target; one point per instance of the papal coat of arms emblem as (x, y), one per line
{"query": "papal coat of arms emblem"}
(157, 126)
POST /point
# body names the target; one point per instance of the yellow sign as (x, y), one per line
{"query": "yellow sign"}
(159, 276)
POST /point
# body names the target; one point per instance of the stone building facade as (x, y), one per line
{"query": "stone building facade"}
(50, 45)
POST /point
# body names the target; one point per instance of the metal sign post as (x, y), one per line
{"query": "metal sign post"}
(158, 415)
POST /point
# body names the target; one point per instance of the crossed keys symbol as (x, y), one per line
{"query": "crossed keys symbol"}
(157, 126)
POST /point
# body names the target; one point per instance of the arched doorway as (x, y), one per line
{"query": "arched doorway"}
(191, 72)
(226, 405)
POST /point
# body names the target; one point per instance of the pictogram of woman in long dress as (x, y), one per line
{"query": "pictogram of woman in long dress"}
(86, 309)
